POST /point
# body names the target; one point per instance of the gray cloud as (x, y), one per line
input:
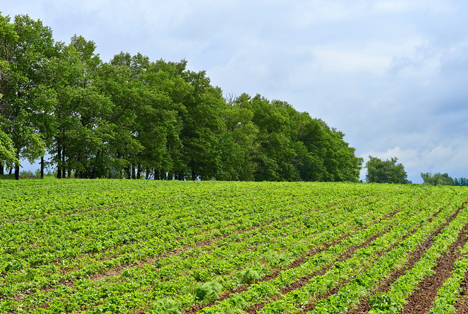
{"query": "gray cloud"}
(390, 74)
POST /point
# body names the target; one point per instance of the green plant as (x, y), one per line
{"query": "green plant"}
(208, 291)
(248, 276)
(164, 306)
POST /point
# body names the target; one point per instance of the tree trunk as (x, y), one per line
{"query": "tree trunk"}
(59, 168)
(17, 169)
(194, 177)
(11, 169)
(64, 169)
(1, 169)
(133, 172)
(139, 172)
(42, 167)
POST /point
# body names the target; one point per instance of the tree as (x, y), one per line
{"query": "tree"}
(238, 140)
(202, 128)
(385, 171)
(460, 182)
(26, 46)
(437, 179)
(7, 150)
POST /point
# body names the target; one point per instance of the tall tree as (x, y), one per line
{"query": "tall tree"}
(437, 179)
(202, 126)
(26, 46)
(8, 155)
(238, 141)
(81, 111)
(385, 171)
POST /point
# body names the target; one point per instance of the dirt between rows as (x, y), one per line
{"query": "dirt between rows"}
(274, 274)
(416, 256)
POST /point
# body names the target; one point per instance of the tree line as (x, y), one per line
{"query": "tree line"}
(442, 179)
(133, 117)
(390, 171)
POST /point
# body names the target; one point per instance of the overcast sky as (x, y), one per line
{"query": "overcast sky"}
(392, 75)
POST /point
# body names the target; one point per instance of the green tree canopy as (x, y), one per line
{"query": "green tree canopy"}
(385, 171)
(436, 179)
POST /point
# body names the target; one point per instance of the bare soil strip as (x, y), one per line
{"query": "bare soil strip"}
(363, 306)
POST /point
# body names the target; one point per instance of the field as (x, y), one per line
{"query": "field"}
(120, 246)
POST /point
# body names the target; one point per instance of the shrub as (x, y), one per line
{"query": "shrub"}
(208, 291)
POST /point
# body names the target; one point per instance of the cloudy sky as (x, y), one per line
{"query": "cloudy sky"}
(392, 75)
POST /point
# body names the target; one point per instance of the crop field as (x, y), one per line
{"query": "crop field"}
(121, 246)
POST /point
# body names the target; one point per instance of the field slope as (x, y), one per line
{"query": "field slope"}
(120, 246)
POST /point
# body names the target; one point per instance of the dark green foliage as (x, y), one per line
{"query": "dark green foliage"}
(442, 179)
(385, 171)
(460, 182)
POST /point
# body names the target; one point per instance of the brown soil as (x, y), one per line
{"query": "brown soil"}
(415, 256)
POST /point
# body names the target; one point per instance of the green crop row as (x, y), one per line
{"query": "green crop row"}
(149, 250)
(355, 268)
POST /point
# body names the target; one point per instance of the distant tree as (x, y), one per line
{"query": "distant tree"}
(460, 182)
(385, 171)
(437, 179)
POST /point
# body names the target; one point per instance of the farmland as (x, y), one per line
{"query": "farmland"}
(121, 246)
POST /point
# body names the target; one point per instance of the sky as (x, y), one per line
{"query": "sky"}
(392, 75)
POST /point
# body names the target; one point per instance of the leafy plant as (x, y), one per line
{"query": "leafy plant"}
(248, 276)
(208, 291)
(165, 306)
